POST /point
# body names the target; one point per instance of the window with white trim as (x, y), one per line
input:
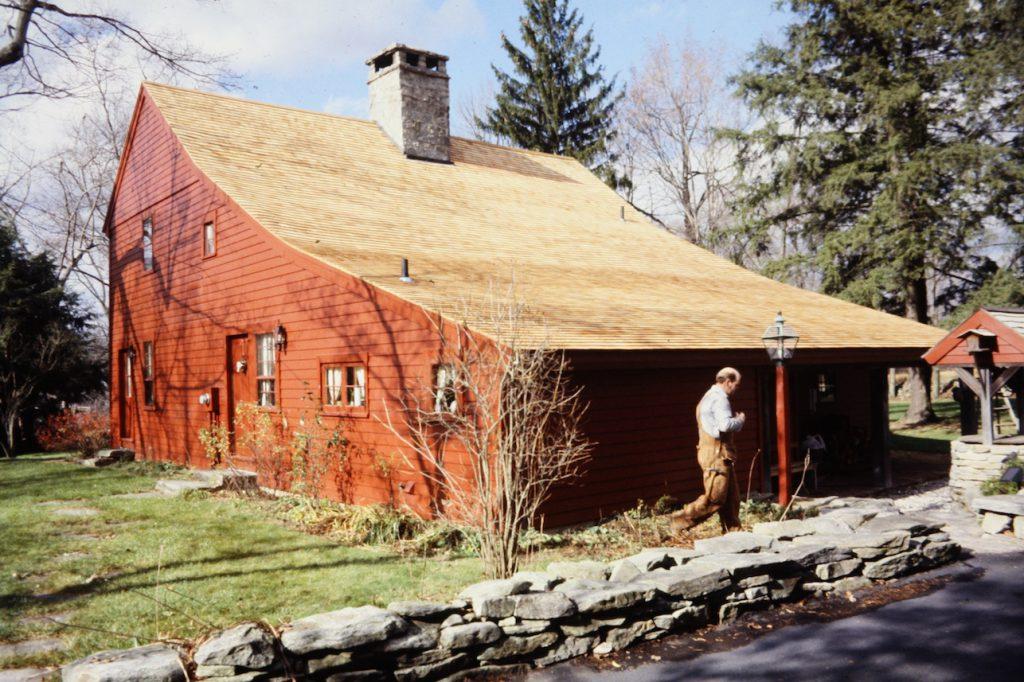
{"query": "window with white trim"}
(266, 370)
(446, 397)
(147, 244)
(148, 374)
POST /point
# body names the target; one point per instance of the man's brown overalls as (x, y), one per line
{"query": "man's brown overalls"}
(716, 457)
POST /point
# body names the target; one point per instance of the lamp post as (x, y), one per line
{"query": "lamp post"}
(780, 341)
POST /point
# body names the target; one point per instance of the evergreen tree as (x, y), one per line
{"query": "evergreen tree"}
(46, 349)
(879, 145)
(557, 99)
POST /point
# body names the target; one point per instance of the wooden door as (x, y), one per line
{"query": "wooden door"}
(239, 384)
(126, 393)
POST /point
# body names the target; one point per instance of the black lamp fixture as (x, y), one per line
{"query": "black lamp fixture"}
(280, 337)
(780, 340)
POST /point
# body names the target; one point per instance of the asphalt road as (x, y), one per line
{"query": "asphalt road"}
(967, 630)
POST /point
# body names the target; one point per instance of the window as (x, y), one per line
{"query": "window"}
(129, 382)
(209, 239)
(147, 244)
(344, 384)
(148, 375)
(266, 370)
(825, 387)
(446, 398)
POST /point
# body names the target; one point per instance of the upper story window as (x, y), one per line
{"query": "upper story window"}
(266, 370)
(147, 244)
(209, 239)
(148, 374)
(446, 398)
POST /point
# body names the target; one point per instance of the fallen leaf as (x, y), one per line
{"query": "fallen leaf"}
(615, 664)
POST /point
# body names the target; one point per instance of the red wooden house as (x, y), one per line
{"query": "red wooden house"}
(256, 255)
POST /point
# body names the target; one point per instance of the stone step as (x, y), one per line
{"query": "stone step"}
(109, 456)
(177, 487)
(1012, 505)
(209, 479)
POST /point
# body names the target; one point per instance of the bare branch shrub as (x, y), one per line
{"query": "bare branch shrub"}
(499, 432)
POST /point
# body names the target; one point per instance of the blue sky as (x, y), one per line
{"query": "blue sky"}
(333, 79)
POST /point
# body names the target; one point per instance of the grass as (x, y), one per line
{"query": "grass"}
(933, 437)
(209, 562)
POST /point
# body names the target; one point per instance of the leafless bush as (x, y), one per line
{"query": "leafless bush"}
(497, 429)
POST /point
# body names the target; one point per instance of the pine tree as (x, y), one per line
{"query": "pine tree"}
(879, 147)
(557, 99)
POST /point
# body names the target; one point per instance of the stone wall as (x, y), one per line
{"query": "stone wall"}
(973, 463)
(572, 609)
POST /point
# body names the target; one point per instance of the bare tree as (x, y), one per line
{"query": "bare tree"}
(682, 171)
(48, 46)
(497, 430)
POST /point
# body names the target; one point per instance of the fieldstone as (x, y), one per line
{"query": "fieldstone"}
(912, 524)
(494, 607)
(422, 610)
(852, 518)
(691, 616)
(748, 564)
(995, 523)
(452, 620)
(609, 598)
(664, 622)
(587, 570)
(205, 671)
(817, 587)
(838, 569)
(893, 566)
(620, 638)
(866, 545)
(513, 647)
(415, 639)
(1012, 505)
(570, 647)
(352, 676)
(152, 663)
(783, 530)
(527, 627)
(434, 670)
(690, 581)
(623, 571)
(492, 589)
(730, 611)
(580, 629)
(30, 647)
(681, 555)
(650, 559)
(783, 588)
(75, 512)
(540, 581)
(245, 646)
(936, 537)
(1018, 526)
(941, 552)
(812, 552)
(603, 649)
(342, 629)
(733, 543)
(754, 581)
(510, 671)
(543, 606)
(26, 675)
(760, 592)
(329, 662)
(470, 634)
(248, 676)
(852, 583)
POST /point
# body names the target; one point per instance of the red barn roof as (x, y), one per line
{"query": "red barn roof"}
(1004, 325)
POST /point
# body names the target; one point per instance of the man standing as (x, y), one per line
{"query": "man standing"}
(716, 425)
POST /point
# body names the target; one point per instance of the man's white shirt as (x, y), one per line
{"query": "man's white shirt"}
(716, 415)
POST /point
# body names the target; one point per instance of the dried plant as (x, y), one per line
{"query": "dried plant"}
(503, 431)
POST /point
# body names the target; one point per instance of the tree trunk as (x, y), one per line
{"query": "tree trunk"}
(7, 442)
(919, 411)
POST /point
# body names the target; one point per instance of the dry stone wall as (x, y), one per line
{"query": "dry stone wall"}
(974, 463)
(537, 619)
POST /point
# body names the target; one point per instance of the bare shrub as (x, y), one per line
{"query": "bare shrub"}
(499, 431)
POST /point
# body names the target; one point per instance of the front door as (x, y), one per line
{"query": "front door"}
(240, 386)
(126, 399)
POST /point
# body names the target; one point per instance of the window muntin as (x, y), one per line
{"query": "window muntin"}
(266, 371)
(334, 385)
(343, 384)
(355, 386)
(209, 239)
(148, 374)
(446, 398)
(147, 244)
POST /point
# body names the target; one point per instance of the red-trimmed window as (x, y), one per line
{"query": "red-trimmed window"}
(446, 395)
(266, 370)
(148, 375)
(209, 238)
(147, 244)
(343, 386)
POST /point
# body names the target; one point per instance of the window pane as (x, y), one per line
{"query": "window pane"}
(147, 244)
(147, 360)
(265, 388)
(445, 399)
(265, 355)
(209, 239)
(355, 381)
(333, 385)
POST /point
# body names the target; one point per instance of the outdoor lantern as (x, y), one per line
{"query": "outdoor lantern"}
(780, 340)
(280, 337)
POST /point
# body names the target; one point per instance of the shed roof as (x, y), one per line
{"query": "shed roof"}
(1004, 325)
(594, 272)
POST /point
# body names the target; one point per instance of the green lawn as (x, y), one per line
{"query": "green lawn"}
(932, 437)
(145, 568)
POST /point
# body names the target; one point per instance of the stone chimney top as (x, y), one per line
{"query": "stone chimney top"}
(409, 100)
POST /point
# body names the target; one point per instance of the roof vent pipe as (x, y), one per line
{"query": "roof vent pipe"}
(405, 271)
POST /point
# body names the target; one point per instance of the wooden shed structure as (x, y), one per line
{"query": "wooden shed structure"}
(987, 351)
(256, 256)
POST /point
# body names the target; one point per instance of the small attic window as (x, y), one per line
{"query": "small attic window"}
(412, 59)
(383, 61)
(432, 63)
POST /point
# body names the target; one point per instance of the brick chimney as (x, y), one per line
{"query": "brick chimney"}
(409, 100)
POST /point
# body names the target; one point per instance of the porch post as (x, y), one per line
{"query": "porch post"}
(988, 433)
(782, 430)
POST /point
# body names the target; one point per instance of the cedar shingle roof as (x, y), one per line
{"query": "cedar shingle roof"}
(338, 189)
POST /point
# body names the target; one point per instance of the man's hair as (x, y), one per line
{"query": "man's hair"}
(727, 374)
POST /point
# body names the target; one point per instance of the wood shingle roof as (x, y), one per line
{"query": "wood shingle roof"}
(594, 272)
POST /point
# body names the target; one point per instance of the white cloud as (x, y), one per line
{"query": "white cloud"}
(358, 107)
